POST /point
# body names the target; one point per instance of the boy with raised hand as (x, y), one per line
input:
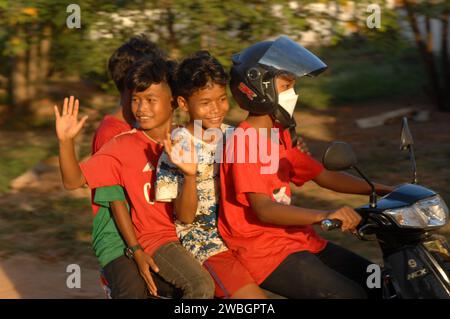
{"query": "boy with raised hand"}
(121, 273)
(272, 238)
(188, 174)
(129, 160)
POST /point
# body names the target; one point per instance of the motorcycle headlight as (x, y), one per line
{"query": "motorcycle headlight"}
(428, 213)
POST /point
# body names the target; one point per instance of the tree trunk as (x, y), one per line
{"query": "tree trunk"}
(355, 20)
(428, 59)
(44, 52)
(428, 33)
(19, 81)
(444, 55)
(204, 41)
(33, 66)
(333, 9)
(174, 49)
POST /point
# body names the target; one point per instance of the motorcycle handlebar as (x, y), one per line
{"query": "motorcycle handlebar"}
(330, 224)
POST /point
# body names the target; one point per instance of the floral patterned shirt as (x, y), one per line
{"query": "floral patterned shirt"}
(201, 238)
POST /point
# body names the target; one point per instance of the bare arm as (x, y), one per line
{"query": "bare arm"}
(186, 203)
(275, 213)
(71, 174)
(123, 221)
(67, 128)
(271, 212)
(345, 183)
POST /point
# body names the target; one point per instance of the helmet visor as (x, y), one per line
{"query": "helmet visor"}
(287, 55)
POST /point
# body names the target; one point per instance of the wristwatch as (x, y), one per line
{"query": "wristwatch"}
(129, 251)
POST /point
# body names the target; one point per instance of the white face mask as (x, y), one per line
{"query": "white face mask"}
(287, 100)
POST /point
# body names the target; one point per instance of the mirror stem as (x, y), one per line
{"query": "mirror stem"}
(413, 163)
(373, 194)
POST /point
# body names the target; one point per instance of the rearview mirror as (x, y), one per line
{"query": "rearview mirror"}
(407, 143)
(339, 156)
(406, 139)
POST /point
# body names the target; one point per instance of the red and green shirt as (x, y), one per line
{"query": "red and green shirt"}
(107, 242)
(129, 160)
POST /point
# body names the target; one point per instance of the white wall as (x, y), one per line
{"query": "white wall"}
(345, 13)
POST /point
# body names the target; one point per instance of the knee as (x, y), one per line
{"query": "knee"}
(203, 288)
(128, 287)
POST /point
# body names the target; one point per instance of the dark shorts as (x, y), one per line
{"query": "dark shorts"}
(125, 282)
(335, 272)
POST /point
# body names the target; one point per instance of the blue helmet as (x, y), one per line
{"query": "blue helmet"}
(254, 70)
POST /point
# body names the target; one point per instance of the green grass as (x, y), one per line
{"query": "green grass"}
(55, 227)
(361, 72)
(14, 162)
(41, 224)
(21, 150)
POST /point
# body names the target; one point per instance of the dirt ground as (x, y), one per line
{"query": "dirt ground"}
(43, 228)
(30, 277)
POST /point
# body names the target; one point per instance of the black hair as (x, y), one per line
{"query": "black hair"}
(196, 71)
(148, 71)
(126, 55)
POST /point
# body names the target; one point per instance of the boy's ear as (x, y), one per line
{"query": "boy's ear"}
(174, 104)
(182, 103)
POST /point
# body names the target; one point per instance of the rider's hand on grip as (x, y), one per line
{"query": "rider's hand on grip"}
(330, 224)
(350, 219)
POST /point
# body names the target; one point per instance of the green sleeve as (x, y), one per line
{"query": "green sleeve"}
(105, 195)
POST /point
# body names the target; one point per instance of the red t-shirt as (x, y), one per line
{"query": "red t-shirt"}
(109, 127)
(129, 160)
(261, 247)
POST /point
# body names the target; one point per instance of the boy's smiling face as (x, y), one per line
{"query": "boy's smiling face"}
(209, 104)
(152, 108)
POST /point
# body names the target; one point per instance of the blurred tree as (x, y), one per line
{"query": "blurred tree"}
(222, 27)
(14, 20)
(26, 26)
(35, 42)
(39, 44)
(438, 72)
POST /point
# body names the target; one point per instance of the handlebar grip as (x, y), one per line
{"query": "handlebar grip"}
(330, 224)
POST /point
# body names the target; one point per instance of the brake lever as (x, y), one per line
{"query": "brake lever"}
(361, 235)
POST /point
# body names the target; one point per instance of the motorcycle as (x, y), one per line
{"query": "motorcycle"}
(416, 261)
